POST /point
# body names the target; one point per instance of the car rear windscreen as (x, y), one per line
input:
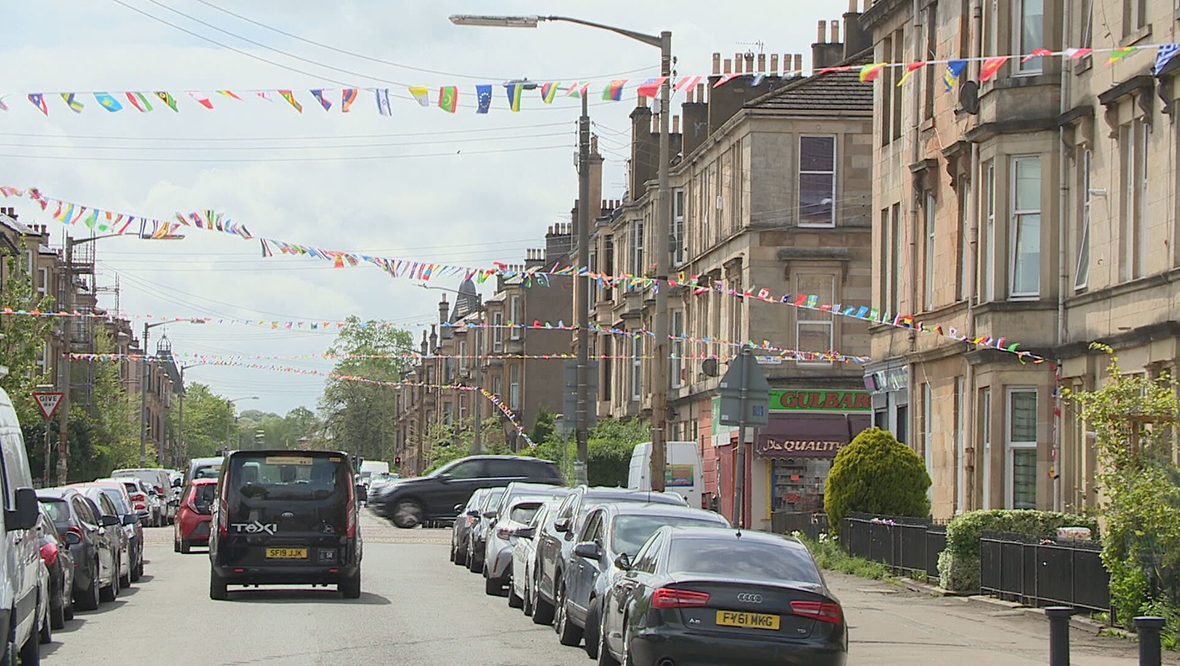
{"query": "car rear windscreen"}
(203, 496)
(631, 532)
(748, 559)
(292, 477)
(57, 509)
(210, 472)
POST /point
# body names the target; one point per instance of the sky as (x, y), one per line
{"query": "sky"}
(419, 184)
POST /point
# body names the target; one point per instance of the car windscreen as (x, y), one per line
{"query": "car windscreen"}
(748, 559)
(629, 533)
(491, 499)
(131, 487)
(523, 513)
(292, 477)
(58, 511)
(207, 472)
(116, 498)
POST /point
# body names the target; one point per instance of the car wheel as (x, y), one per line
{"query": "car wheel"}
(461, 556)
(57, 615)
(45, 631)
(185, 547)
(88, 599)
(568, 633)
(472, 565)
(526, 605)
(407, 514)
(30, 652)
(137, 571)
(218, 588)
(111, 591)
(542, 610)
(175, 544)
(627, 660)
(492, 586)
(68, 610)
(351, 587)
(514, 600)
(605, 658)
(125, 579)
(591, 630)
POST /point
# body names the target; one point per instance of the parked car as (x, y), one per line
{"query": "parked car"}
(160, 481)
(133, 527)
(721, 596)
(524, 557)
(467, 516)
(556, 541)
(508, 515)
(21, 569)
(59, 564)
(285, 517)
(475, 538)
(123, 519)
(611, 530)
(191, 527)
(94, 541)
(204, 468)
(145, 505)
(434, 497)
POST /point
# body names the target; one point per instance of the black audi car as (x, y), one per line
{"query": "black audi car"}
(721, 596)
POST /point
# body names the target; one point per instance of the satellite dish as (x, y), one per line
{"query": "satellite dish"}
(709, 367)
(969, 97)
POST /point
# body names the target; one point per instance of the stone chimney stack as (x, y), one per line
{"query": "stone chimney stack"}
(443, 319)
(856, 38)
(825, 53)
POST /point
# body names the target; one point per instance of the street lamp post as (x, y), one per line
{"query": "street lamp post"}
(144, 380)
(663, 231)
(229, 422)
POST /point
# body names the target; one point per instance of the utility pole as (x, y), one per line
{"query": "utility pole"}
(582, 296)
(63, 419)
(659, 398)
(144, 381)
(477, 396)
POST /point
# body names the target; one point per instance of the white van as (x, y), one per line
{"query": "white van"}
(683, 474)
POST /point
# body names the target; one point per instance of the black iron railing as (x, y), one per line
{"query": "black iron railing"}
(810, 524)
(907, 545)
(1043, 572)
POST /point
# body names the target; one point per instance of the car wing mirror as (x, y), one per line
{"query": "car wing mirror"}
(28, 509)
(562, 524)
(490, 515)
(474, 513)
(588, 550)
(107, 520)
(526, 532)
(623, 562)
(458, 508)
(130, 519)
(73, 539)
(443, 477)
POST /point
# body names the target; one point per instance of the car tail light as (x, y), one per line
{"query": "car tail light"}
(49, 553)
(138, 497)
(670, 597)
(350, 530)
(223, 511)
(819, 610)
(139, 506)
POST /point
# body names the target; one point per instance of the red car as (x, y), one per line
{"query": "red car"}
(194, 515)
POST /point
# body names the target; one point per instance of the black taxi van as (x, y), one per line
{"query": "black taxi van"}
(285, 518)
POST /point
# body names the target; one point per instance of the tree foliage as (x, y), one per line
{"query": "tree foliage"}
(298, 428)
(359, 417)
(115, 417)
(206, 417)
(611, 444)
(876, 474)
(24, 338)
(1132, 419)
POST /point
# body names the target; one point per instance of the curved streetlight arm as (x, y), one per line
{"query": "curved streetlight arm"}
(650, 40)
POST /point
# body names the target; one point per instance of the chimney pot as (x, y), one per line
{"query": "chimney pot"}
(761, 63)
(835, 32)
(676, 124)
(749, 63)
(851, 6)
(738, 59)
(774, 63)
(728, 65)
(822, 33)
(642, 101)
(701, 93)
(799, 63)
(716, 63)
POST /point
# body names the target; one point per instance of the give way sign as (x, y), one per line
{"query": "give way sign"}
(48, 403)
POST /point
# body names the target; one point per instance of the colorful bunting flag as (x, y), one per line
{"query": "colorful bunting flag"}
(290, 97)
(726, 78)
(140, 102)
(448, 98)
(687, 82)
(909, 71)
(515, 92)
(549, 92)
(1164, 55)
(107, 102)
(578, 89)
(167, 98)
(614, 90)
(3, 106)
(1077, 54)
(422, 94)
(383, 107)
(954, 69)
(347, 97)
(1036, 53)
(318, 94)
(757, 80)
(483, 95)
(1119, 54)
(991, 66)
(201, 99)
(651, 87)
(72, 102)
(872, 71)
(264, 95)
(230, 94)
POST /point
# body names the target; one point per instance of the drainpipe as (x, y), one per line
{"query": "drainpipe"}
(1062, 271)
(915, 130)
(969, 392)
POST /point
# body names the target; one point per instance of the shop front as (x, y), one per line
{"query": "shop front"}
(795, 451)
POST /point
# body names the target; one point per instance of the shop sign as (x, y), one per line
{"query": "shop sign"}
(775, 447)
(796, 400)
(680, 476)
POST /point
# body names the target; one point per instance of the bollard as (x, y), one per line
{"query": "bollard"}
(1149, 639)
(1058, 634)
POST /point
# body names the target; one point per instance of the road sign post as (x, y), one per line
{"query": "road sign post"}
(745, 401)
(47, 402)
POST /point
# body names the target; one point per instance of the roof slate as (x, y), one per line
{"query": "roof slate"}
(837, 91)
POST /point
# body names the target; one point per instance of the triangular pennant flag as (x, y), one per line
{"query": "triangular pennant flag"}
(651, 87)
(954, 69)
(3, 106)
(201, 99)
(614, 90)
(991, 66)
(515, 91)
(448, 98)
(909, 71)
(549, 91)
(347, 97)
(871, 71)
(107, 102)
(726, 78)
(687, 82)
(578, 89)
(139, 101)
(318, 94)
(1077, 54)
(1119, 54)
(422, 94)
(290, 97)
(383, 102)
(38, 100)
(72, 102)
(1037, 53)
(483, 95)
(230, 94)
(167, 98)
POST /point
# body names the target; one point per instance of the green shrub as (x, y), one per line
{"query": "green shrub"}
(876, 474)
(958, 564)
(829, 555)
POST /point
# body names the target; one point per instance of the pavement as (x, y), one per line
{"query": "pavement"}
(419, 609)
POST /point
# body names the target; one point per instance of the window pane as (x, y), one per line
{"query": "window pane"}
(815, 337)
(1028, 184)
(1024, 479)
(1023, 417)
(817, 153)
(1026, 270)
(816, 193)
(1032, 31)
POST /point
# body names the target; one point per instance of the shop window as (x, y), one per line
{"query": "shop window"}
(798, 484)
